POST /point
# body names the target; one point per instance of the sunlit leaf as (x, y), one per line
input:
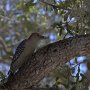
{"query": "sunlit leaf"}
(58, 81)
(19, 6)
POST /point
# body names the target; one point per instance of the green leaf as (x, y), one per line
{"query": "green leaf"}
(83, 77)
(65, 17)
(79, 69)
(27, 6)
(73, 69)
(77, 77)
(58, 81)
(68, 29)
(73, 88)
(2, 75)
(30, 3)
(19, 6)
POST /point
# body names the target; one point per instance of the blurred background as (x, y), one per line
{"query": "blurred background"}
(58, 19)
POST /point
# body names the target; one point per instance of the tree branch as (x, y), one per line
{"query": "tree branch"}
(54, 6)
(48, 58)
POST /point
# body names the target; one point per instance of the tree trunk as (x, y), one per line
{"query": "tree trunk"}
(46, 59)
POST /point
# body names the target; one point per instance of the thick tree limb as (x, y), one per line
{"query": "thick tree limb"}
(48, 58)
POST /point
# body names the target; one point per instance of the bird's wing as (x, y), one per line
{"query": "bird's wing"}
(19, 50)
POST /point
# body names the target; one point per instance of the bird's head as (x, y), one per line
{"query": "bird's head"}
(36, 39)
(37, 36)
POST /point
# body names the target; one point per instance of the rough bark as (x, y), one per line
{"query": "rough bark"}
(48, 58)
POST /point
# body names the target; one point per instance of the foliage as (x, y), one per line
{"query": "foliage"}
(19, 18)
(66, 78)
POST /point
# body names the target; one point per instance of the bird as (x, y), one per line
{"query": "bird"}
(25, 48)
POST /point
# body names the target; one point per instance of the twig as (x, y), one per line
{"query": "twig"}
(54, 6)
